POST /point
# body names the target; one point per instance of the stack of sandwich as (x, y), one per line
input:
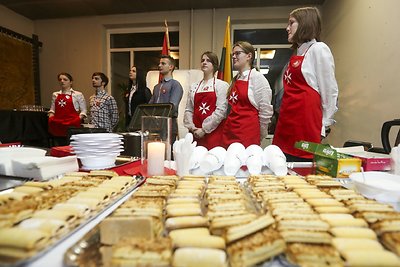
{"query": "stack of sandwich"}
(308, 242)
(251, 238)
(320, 221)
(187, 225)
(382, 219)
(35, 215)
(131, 236)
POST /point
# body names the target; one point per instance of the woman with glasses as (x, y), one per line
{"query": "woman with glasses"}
(310, 90)
(249, 98)
(206, 104)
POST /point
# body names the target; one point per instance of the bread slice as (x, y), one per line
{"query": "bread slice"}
(142, 252)
(310, 225)
(186, 222)
(303, 254)
(391, 240)
(199, 257)
(347, 244)
(236, 232)
(314, 237)
(353, 232)
(256, 248)
(373, 258)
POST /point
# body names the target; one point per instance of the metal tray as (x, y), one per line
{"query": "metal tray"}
(86, 252)
(27, 261)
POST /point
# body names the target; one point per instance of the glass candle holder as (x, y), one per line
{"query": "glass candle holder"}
(157, 129)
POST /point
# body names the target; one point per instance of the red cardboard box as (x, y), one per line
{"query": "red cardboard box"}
(372, 161)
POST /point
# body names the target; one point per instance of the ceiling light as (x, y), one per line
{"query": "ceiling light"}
(267, 54)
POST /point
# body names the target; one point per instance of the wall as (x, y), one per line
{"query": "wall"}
(15, 22)
(78, 45)
(363, 36)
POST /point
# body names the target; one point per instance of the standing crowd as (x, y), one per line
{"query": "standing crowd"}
(218, 113)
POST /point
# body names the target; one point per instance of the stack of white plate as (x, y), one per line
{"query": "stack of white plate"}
(97, 150)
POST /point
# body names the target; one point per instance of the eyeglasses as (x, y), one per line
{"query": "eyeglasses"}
(237, 53)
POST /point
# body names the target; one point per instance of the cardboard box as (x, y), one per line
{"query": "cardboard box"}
(330, 162)
(373, 161)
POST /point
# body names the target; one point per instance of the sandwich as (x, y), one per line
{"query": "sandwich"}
(255, 248)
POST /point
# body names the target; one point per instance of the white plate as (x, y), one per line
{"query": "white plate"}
(98, 148)
(98, 162)
(90, 168)
(95, 142)
(96, 136)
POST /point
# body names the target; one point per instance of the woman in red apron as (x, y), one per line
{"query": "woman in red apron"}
(310, 88)
(249, 99)
(68, 107)
(206, 105)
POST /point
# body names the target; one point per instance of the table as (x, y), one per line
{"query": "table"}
(27, 127)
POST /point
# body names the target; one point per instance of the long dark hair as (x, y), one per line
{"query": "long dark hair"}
(140, 80)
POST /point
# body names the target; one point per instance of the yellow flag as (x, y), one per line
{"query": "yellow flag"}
(225, 65)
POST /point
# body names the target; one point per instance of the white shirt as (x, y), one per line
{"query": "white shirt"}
(319, 72)
(211, 122)
(260, 95)
(133, 90)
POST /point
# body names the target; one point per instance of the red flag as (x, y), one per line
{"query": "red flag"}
(165, 47)
(225, 65)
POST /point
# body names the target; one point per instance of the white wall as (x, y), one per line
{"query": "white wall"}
(15, 22)
(363, 36)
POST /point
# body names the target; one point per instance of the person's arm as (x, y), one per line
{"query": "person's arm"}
(176, 95)
(52, 110)
(211, 122)
(188, 115)
(147, 94)
(323, 64)
(262, 97)
(113, 111)
(155, 94)
(82, 104)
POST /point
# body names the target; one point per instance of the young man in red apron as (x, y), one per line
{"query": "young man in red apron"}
(249, 100)
(206, 105)
(310, 88)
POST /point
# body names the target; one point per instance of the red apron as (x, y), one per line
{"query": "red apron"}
(242, 124)
(300, 116)
(65, 116)
(204, 105)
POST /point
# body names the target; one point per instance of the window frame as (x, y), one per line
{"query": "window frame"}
(131, 51)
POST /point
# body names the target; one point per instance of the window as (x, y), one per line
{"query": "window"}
(140, 47)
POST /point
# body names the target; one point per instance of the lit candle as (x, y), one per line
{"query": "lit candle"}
(155, 158)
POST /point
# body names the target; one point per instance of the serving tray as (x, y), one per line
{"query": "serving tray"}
(27, 261)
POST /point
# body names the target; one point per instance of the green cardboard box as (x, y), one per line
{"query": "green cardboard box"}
(330, 162)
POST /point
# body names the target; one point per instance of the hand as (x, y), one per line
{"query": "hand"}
(199, 133)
